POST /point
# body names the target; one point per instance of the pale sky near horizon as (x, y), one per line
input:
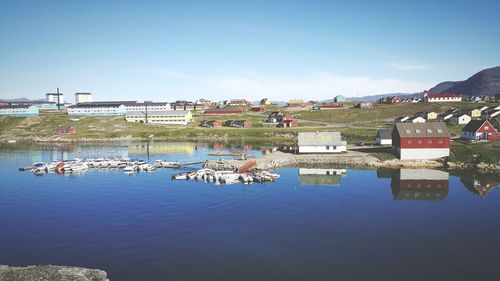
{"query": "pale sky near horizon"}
(169, 50)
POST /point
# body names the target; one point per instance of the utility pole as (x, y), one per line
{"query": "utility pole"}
(58, 99)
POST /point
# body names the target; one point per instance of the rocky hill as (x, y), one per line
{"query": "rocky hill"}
(484, 83)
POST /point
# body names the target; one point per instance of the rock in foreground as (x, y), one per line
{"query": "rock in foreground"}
(50, 273)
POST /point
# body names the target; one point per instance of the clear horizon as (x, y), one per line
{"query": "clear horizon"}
(170, 50)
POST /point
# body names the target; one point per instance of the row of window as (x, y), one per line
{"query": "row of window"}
(428, 141)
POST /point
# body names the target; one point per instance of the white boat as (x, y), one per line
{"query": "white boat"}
(78, 166)
(166, 164)
(39, 168)
(148, 168)
(180, 176)
(246, 178)
(228, 178)
(131, 168)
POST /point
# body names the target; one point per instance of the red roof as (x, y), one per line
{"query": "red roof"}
(224, 111)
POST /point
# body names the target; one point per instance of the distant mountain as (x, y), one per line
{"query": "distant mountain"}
(484, 83)
(20, 100)
(377, 97)
(443, 87)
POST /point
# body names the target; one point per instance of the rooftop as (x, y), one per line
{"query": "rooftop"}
(319, 138)
(430, 130)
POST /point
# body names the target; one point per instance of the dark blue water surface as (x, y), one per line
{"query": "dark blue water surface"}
(363, 225)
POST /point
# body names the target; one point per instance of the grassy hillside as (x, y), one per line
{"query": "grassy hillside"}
(355, 124)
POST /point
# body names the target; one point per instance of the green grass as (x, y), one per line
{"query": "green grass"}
(467, 152)
(8, 123)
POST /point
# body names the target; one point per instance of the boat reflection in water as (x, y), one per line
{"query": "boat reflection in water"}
(480, 184)
(419, 184)
(326, 177)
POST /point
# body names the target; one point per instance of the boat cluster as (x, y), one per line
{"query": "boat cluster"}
(80, 165)
(226, 177)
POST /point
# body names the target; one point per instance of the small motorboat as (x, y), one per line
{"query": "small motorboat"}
(180, 176)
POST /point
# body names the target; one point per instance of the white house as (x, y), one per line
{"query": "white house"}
(460, 120)
(321, 142)
(384, 137)
(416, 119)
(174, 117)
(443, 97)
(26, 110)
(97, 109)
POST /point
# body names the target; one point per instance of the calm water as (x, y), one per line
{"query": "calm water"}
(310, 225)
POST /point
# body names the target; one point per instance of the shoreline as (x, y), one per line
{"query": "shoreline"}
(277, 160)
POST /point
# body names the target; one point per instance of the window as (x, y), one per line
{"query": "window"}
(440, 141)
(486, 128)
(417, 131)
(407, 131)
(429, 131)
(409, 141)
(419, 141)
(440, 131)
(429, 141)
(327, 147)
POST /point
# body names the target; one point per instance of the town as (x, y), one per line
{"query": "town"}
(423, 132)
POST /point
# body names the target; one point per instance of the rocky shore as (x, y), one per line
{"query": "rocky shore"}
(50, 273)
(278, 160)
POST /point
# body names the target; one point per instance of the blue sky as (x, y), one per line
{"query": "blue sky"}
(168, 50)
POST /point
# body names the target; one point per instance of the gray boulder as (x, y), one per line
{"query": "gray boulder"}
(50, 273)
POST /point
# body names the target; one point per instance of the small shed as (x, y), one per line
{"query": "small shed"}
(384, 137)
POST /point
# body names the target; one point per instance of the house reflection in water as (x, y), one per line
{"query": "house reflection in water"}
(419, 184)
(480, 184)
(329, 177)
(162, 148)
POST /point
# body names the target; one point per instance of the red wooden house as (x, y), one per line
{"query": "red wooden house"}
(421, 140)
(288, 124)
(211, 123)
(66, 130)
(480, 130)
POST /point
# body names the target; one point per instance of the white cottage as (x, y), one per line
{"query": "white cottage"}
(460, 120)
(321, 142)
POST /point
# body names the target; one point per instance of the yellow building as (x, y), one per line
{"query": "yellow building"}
(174, 117)
(475, 113)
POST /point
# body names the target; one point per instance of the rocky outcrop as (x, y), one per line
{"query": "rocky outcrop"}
(50, 273)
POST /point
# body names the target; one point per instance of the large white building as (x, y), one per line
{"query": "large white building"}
(147, 106)
(444, 97)
(174, 117)
(53, 97)
(83, 97)
(97, 109)
(20, 110)
(321, 142)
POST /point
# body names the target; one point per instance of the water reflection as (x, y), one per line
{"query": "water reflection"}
(480, 184)
(419, 184)
(328, 177)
